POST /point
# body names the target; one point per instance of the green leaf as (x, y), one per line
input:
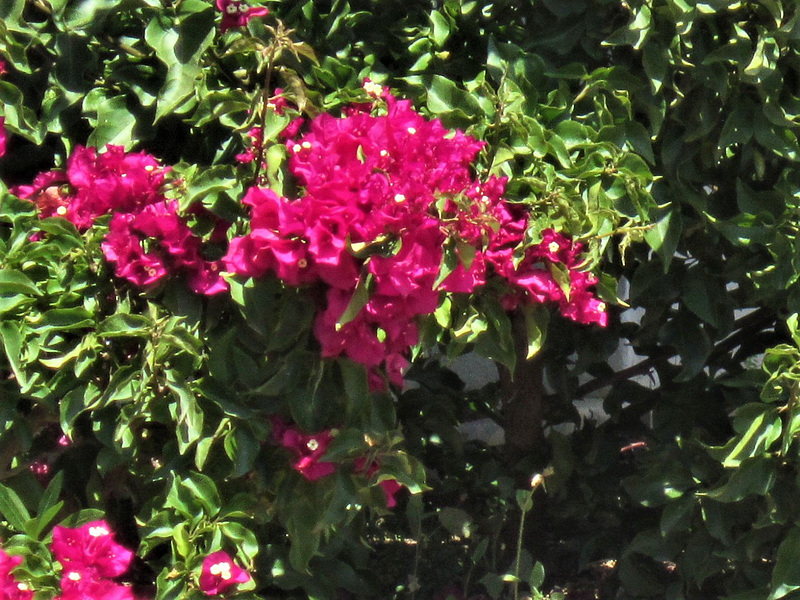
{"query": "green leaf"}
(358, 301)
(12, 509)
(536, 579)
(242, 448)
(754, 476)
(444, 95)
(16, 282)
(456, 521)
(677, 515)
(356, 387)
(204, 491)
(785, 575)
(537, 318)
(656, 62)
(88, 14)
(63, 319)
(440, 28)
(757, 426)
(12, 342)
(49, 505)
(187, 413)
(691, 342)
(701, 295)
(11, 11)
(115, 123)
(125, 325)
(303, 533)
(738, 128)
(524, 500)
(665, 235)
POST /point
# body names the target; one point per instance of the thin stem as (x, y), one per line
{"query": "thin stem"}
(518, 558)
(265, 93)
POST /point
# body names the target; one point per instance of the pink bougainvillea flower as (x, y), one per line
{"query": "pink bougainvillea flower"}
(96, 184)
(307, 448)
(219, 573)
(172, 249)
(10, 588)
(86, 584)
(3, 136)
(40, 470)
(90, 547)
(205, 277)
(390, 487)
(237, 14)
(112, 181)
(583, 306)
(254, 136)
(49, 192)
(278, 102)
(292, 129)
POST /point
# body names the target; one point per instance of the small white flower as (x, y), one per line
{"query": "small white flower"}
(222, 569)
(98, 531)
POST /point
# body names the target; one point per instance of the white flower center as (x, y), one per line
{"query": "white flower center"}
(554, 247)
(222, 569)
(399, 198)
(74, 576)
(231, 9)
(372, 88)
(412, 130)
(61, 211)
(312, 444)
(98, 531)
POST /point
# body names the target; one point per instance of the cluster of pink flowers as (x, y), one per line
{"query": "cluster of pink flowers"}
(10, 588)
(91, 559)
(309, 448)
(147, 240)
(384, 194)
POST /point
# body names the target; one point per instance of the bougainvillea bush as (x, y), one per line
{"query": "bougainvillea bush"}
(242, 243)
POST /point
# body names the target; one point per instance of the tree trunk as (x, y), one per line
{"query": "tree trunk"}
(523, 395)
(525, 446)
